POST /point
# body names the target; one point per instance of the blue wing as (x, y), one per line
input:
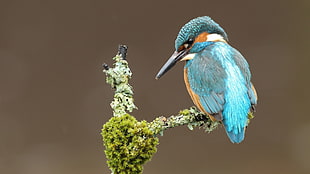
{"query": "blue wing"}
(220, 77)
(207, 80)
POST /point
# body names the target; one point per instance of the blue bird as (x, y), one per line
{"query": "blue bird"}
(216, 75)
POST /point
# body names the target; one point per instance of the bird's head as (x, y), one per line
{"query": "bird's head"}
(192, 39)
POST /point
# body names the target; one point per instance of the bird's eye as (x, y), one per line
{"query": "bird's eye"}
(188, 43)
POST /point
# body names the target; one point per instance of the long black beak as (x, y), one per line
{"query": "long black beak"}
(176, 56)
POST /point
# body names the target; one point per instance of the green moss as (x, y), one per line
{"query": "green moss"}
(129, 144)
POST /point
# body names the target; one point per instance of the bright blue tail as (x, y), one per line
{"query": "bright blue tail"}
(236, 138)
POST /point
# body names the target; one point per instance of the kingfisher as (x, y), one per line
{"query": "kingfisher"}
(216, 75)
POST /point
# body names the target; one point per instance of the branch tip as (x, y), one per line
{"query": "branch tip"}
(122, 50)
(105, 66)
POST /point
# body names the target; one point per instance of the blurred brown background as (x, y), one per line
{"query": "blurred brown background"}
(54, 99)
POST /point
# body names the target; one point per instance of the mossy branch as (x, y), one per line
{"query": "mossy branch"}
(118, 78)
(130, 143)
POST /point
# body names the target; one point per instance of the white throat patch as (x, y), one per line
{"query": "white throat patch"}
(188, 56)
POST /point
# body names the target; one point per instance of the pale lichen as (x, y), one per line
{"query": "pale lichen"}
(118, 78)
(191, 117)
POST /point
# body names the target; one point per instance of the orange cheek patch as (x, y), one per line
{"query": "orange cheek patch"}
(202, 37)
(181, 48)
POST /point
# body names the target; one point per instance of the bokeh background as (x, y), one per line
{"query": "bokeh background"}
(54, 99)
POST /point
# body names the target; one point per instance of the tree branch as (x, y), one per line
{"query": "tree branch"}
(128, 142)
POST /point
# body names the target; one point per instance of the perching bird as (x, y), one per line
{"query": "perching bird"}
(216, 75)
